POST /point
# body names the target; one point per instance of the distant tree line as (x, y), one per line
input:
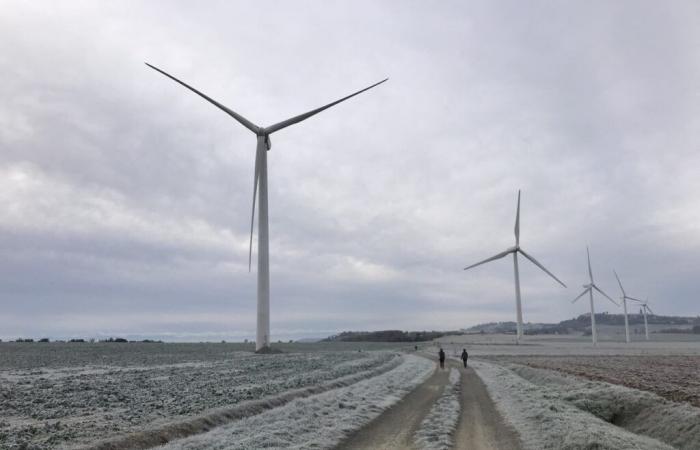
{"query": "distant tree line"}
(389, 336)
(78, 340)
(694, 330)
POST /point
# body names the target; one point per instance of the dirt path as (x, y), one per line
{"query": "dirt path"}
(480, 426)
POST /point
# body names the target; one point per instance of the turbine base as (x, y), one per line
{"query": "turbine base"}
(267, 350)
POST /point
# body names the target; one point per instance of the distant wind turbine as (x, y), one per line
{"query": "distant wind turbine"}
(588, 289)
(624, 298)
(515, 250)
(262, 340)
(645, 309)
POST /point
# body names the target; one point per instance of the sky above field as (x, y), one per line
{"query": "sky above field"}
(125, 199)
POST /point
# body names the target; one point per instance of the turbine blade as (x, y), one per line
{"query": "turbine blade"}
(649, 309)
(252, 215)
(499, 256)
(606, 295)
(585, 291)
(620, 283)
(632, 298)
(534, 261)
(313, 112)
(517, 222)
(242, 120)
(590, 271)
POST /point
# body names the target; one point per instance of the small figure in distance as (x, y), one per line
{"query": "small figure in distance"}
(442, 358)
(415, 347)
(465, 356)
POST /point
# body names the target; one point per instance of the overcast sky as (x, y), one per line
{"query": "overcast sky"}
(125, 199)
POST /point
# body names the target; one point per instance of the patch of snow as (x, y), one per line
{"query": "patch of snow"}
(545, 419)
(436, 430)
(319, 421)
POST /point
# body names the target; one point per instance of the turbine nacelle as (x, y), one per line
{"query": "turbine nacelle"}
(262, 132)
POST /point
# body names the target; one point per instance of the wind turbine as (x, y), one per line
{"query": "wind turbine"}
(624, 298)
(262, 340)
(645, 309)
(588, 289)
(515, 250)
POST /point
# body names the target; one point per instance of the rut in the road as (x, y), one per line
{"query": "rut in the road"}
(480, 425)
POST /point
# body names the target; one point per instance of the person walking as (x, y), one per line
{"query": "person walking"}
(465, 356)
(442, 358)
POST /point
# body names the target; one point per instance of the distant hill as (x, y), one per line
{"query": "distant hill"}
(582, 323)
(389, 336)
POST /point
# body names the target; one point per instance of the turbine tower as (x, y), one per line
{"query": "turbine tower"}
(515, 250)
(624, 298)
(262, 340)
(645, 309)
(588, 289)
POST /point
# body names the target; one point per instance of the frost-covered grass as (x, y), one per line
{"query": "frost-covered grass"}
(319, 421)
(551, 411)
(436, 430)
(672, 377)
(44, 407)
(637, 411)
(568, 345)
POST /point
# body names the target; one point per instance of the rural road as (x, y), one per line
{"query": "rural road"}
(480, 426)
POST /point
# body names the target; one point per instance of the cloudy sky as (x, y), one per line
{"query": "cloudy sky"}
(125, 199)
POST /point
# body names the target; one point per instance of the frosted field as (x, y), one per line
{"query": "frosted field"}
(563, 393)
(67, 394)
(556, 392)
(675, 378)
(316, 422)
(500, 344)
(553, 411)
(665, 367)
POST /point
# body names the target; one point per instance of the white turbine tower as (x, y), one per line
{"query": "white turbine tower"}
(262, 340)
(515, 250)
(588, 289)
(645, 309)
(624, 298)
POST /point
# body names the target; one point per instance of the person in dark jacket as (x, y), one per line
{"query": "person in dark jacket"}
(465, 356)
(442, 359)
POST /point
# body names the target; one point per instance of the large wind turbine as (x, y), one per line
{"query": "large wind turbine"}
(624, 298)
(588, 289)
(515, 250)
(262, 340)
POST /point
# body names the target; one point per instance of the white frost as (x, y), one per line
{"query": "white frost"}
(319, 421)
(546, 415)
(436, 430)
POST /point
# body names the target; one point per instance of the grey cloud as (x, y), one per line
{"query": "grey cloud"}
(125, 199)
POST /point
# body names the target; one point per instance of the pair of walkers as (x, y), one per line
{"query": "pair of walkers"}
(441, 354)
